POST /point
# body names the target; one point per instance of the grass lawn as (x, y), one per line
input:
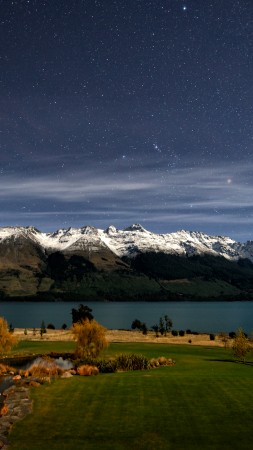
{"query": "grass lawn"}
(203, 402)
(39, 347)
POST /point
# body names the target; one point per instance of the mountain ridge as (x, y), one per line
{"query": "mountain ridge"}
(89, 263)
(136, 238)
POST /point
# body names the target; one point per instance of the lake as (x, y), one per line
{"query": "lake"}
(196, 316)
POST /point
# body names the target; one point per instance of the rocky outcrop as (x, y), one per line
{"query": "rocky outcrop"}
(17, 405)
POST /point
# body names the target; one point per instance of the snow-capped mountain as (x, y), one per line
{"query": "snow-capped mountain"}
(131, 241)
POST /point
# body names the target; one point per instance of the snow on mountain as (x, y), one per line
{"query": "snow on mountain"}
(133, 240)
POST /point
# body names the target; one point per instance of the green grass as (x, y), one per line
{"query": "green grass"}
(203, 402)
(39, 347)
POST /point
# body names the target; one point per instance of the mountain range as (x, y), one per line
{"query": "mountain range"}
(131, 264)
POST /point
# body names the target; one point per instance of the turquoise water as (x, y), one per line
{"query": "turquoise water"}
(196, 316)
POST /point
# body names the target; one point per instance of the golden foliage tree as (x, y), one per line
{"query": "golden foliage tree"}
(241, 345)
(7, 340)
(90, 338)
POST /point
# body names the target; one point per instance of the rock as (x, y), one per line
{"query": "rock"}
(16, 378)
(34, 383)
(16, 406)
(67, 375)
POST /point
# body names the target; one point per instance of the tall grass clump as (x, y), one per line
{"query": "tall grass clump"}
(132, 362)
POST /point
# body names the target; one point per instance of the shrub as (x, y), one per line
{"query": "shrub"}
(161, 361)
(44, 367)
(103, 365)
(188, 331)
(181, 333)
(212, 337)
(174, 333)
(131, 362)
(87, 371)
(64, 326)
(50, 326)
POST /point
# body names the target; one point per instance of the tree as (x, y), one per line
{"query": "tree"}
(156, 329)
(224, 339)
(168, 323)
(7, 340)
(161, 326)
(136, 324)
(43, 329)
(90, 338)
(82, 313)
(144, 328)
(241, 345)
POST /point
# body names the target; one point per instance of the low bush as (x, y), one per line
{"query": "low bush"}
(87, 370)
(131, 362)
(123, 362)
(212, 337)
(44, 367)
(161, 361)
(174, 333)
(4, 369)
(103, 365)
(51, 326)
(181, 333)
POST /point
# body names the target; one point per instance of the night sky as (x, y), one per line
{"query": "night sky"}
(127, 111)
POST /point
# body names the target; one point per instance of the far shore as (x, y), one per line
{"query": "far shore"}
(123, 336)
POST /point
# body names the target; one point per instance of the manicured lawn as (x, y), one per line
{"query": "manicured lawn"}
(203, 402)
(30, 347)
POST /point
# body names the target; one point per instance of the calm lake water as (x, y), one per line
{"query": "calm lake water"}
(196, 316)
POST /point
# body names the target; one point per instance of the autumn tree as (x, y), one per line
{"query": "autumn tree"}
(90, 338)
(241, 345)
(7, 340)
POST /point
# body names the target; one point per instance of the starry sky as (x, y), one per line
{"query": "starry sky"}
(127, 111)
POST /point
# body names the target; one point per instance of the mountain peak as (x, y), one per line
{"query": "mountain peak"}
(136, 227)
(111, 230)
